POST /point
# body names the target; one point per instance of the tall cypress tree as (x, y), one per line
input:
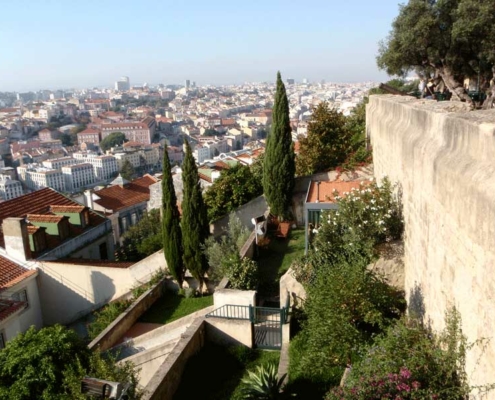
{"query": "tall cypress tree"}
(195, 227)
(172, 235)
(279, 165)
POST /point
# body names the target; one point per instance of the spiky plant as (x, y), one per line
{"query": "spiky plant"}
(262, 384)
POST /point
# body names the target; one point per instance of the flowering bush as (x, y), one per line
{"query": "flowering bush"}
(408, 362)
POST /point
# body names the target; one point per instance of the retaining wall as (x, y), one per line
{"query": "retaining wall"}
(443, 157)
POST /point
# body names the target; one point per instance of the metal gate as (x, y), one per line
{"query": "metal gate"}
(267, 324)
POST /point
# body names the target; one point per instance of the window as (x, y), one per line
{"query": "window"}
(21, 295)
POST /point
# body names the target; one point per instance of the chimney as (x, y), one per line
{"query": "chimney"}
(16, 238)
(88, 198)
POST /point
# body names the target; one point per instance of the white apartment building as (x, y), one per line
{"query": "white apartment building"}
(36, 177)
(58, 163)
(10, 188)
(104, 167)
(201, 153)
(78, 176)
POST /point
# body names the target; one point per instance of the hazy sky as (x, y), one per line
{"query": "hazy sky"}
(59, 44)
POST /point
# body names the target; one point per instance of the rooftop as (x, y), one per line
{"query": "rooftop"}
(11, 273)
(325, 192)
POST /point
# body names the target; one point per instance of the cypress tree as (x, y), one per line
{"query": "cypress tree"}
(172, 235)
(279, 165)
(195, 227)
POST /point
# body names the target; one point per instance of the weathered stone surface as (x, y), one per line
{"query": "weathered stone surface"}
(443, 157)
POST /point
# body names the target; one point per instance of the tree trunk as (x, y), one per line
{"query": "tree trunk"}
(455, 87)
(491, 93)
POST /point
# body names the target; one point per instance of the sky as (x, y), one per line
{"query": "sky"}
(57, 44)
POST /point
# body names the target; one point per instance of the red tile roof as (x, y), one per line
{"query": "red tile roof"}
(9, 307)
(67, 209)
(45, 218)
(117, 197)
(88, 131)
(326, 191)
(11, 273)
(38, 202)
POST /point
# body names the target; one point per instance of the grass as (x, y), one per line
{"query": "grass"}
(216, 372)
(275, 260)
(172, 306)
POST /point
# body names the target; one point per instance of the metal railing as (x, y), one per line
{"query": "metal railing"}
(230, 311)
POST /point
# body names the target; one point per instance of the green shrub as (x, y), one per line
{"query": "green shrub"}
(409, 362)
(243, 274)
(106, 316)
(263, 383)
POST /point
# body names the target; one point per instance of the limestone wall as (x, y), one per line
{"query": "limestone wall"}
(444, 159)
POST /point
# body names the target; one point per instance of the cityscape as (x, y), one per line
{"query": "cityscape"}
(247, 201)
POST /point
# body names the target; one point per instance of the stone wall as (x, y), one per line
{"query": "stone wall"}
(443, 158)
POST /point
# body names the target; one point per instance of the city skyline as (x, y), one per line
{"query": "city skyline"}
(92, 44)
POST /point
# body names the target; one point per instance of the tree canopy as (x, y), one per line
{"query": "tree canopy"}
(449, 39)
(194, 223)
(172, 236)
(112, 140)
(127, 171)
(235, 187)
(49, 364)
(328, 142)
(142, 239)
(279, 165)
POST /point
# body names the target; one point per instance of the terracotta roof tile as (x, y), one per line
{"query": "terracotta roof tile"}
(9, 307)
(326, 190)
(67, 209)
(38, 202)
(11, 273)
(117, 197)
(45, 218)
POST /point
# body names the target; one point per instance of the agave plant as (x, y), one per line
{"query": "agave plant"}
(262, 384)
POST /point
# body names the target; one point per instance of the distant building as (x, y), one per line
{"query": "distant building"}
(78, 176)
(123, 84)
(88, 136)
(35, 177)
(290, 81)
(187, 84)
(10, 188)
(141, 132)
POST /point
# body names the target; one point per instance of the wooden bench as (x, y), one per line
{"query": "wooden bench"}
(283, 230)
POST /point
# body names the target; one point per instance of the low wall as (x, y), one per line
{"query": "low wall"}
(69, 290)
(249, 247)
(112, 334)
(166, 380)
(245, 213)
(291, 288)
(229, 332)
(222, 297)
(442, 155)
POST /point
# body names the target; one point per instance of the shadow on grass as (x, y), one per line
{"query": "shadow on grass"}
(275, 260)
(172, 306)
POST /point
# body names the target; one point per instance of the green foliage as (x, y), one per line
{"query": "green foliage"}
(257, 168)
(328, 142)
(112, 140)
(365, 218)
(243, 274)
(143, 239)
(172, 234)
(445, 38)
(211, 132)
(409, 361)
(346, 304)
(127, 171)
(194, 223)
(220, 252)
(235, 186)
(279, 165)
(49, 364)
(106, 316)
(263, 383)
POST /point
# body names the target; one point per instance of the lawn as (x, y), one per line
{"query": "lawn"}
(216, 372)
(172, 306)
(275, 260)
